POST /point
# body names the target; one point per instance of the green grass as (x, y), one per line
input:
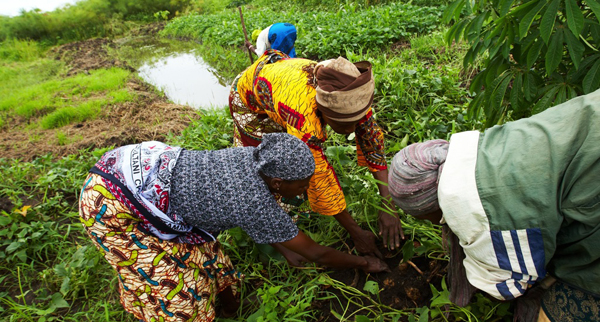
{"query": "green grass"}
(38, 90)
(70, 114)
(20, 50)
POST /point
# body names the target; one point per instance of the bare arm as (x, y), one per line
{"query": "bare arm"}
(326, 256)
(390, 227)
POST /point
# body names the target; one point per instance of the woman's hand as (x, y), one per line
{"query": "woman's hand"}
(364, 241)
(375, 265)
(390, 229)
(295, 259)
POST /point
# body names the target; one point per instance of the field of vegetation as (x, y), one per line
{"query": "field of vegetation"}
(52, 101)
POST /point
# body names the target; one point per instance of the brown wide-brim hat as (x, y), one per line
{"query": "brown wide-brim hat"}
(344, 90)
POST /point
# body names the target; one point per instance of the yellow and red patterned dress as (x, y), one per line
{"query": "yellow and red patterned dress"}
(277, 94)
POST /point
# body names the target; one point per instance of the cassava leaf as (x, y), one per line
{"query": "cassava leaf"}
(477, 82)
(529, 86)
(574, 16)
(561, 96)
(460, 29)
(500, 91)
(575, 47)
(534, 52)
(530, 39)
(450, 12)
(475, 106)
(546, 100)
(591, 81)
(584, 67)
(515, 92)
(548, 20)
(525, 23)
(555, 52)
(473, 29)
(505, 7)
(595, 6)
(493, 99)
(498, 29)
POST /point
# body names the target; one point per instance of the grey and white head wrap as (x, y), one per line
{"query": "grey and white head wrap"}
(281, 155)
(414, 176)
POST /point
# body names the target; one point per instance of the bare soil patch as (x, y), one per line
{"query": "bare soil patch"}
(405, 287)
(149, 117)
(5, 204)
(400, 46)
(86, 55)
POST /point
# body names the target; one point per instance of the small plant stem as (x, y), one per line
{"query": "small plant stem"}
(355, 280)
(415, 267)
(20, 286)
(433, 272)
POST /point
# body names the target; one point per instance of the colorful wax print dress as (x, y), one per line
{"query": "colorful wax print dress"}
(524, 200)
(277, 94)
(144, 206)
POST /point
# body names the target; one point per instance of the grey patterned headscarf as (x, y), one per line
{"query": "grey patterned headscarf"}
(281, 155)
(414, 175)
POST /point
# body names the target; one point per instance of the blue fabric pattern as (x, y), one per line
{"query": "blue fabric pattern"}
(282, 37)
(524, 257)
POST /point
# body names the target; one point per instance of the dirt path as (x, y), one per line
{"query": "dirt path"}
(149, 117)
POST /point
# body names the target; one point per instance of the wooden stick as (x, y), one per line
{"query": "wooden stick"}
(245, 35)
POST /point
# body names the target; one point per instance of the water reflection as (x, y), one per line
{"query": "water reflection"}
(186, 79)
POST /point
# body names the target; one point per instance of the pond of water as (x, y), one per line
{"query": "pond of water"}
(174, 68)
(186, 79)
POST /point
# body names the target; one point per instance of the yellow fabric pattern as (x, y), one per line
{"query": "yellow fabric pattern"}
(284, 92)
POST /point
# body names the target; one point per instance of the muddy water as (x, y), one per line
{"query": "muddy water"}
(186, 79)
(174, 68)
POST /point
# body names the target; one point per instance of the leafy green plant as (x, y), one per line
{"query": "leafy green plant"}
(212, 131)
(278, 305)
(321, 35)
(536, 53)
(161, 15)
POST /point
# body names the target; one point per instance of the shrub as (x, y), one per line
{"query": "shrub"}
(537, 53)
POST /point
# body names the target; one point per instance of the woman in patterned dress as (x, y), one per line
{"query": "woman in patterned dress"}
(301, 97)
(154, 209)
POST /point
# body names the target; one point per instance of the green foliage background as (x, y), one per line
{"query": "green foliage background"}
(321, 34)
(85, 19)
(536, 53)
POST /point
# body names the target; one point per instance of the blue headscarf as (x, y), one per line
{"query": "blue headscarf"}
(282, 37)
